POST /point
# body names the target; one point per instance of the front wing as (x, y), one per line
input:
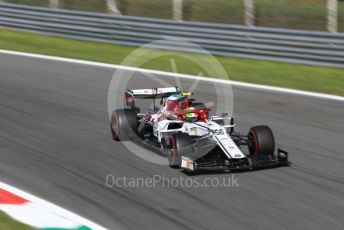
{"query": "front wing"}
(248, 163)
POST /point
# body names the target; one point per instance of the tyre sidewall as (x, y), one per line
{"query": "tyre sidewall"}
(181, 145)
(127, 123)
(264, 142)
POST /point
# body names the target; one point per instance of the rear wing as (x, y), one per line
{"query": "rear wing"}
(152, 93)
(132, 94)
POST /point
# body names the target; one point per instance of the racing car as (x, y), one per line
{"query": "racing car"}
(189, 136)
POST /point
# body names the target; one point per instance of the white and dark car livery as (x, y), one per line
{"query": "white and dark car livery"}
(184, 131)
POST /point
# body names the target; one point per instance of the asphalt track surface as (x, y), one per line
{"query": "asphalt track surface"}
(55, 143)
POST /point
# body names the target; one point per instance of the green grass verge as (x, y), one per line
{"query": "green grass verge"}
(309, 78)
(7, 223)
(296, 14)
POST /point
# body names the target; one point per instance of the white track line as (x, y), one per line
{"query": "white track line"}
(168, 74)
(50, 206)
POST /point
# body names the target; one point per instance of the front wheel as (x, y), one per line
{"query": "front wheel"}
(181, 144)
(261, 141)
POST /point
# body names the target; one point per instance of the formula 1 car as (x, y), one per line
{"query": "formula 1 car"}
(191, 138)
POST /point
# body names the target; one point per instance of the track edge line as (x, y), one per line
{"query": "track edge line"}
(179, 75)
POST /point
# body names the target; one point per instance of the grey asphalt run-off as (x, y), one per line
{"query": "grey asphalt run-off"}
(55, 143)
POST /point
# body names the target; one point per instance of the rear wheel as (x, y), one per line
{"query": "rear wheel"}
(181, 144)
(123, 124)
(261, 140)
